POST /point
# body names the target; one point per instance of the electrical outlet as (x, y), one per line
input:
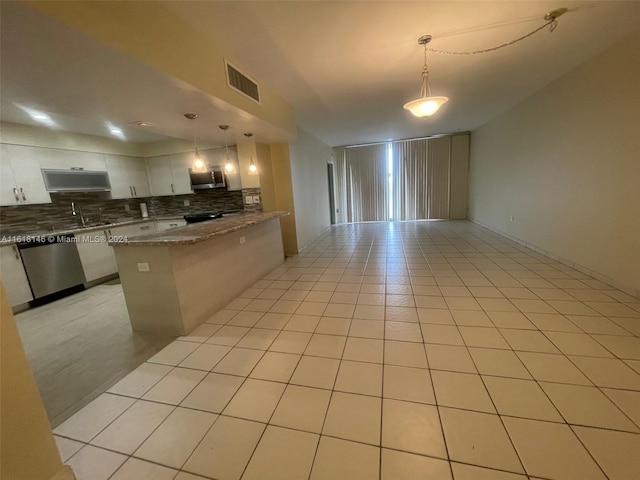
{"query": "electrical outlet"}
(143, 267)
(186, 202)
(127, 208)
(243, 240)
(248, 200)
(256, 199)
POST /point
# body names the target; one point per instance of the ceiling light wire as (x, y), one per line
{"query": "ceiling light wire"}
(229, 167)
(551, 22)
(198, 163)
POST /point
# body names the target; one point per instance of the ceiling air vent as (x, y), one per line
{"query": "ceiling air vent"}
(242, 83)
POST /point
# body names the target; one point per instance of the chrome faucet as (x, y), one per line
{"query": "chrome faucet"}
(79, 211)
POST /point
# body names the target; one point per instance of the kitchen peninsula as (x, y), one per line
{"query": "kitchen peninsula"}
(175, 280)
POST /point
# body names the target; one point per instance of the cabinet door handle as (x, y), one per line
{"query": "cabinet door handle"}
(24, 197)
(17, 252)
(145, 228)
(173, 190)
(15, 194)
(135, 193)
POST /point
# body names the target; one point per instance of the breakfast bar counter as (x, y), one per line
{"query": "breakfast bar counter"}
(200, 232)
(175, 280)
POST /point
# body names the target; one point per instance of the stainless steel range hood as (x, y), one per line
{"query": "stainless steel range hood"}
(75, 180)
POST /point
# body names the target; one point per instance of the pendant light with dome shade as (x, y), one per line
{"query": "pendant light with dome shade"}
(229, 166)
(253, 169)
(426, 105)
(198, 164)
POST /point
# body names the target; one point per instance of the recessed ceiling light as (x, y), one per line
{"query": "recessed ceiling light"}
(37, 115)
(41, 117)
(142, 123)
(115, 131)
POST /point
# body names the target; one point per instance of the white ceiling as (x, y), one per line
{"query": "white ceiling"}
(346, 67)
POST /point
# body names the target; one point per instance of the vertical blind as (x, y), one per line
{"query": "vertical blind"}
(404, 180)
(367, 183)
(409, 179)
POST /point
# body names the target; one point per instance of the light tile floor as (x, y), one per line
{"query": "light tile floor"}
(386, 351)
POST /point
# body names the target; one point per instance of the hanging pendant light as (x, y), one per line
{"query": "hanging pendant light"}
(198, 164)
(253, 168)
(426, 105)
(229, 166)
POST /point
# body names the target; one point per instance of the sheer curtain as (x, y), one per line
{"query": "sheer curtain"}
(366, 183)
(410, 179)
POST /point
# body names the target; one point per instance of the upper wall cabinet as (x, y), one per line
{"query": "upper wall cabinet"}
(160, 178)
(21, 182)
(180, 165)
(67, 159)
(169, 174)
(128, 176)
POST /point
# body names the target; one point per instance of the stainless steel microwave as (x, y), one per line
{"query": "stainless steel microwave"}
(213, 177)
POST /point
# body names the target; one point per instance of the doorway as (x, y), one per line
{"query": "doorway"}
(332, 201)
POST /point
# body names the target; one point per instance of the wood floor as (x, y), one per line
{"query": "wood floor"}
(81, 345)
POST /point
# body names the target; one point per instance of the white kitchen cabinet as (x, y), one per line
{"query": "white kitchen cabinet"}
(169, 174)
(143, 228)
(22, 182)
(160, 177)
(66, 159)
(8, 189)
(96, 255)
(13, 276)
(180, 165)
(128, 176)
(162, 225)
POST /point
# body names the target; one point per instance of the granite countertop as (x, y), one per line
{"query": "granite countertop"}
(199, 232)
(15, 238)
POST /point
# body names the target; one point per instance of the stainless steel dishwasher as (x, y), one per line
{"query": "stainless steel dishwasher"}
(52, 264)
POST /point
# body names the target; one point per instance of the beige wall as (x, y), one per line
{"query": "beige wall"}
(265, 175)
(27, 448)
(309, 157)
(247, 151)
(152, 33)
(566, 164)
(281, 196)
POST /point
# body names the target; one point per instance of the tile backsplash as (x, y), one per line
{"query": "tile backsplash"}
(99, 207)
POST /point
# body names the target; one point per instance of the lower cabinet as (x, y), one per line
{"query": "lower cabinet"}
(13, 276)
(162, 225)
(96, 255)
(143, 228)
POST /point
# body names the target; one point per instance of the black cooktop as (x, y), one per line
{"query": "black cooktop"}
(202, 217)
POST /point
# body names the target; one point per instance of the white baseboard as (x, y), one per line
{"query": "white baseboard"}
(581, 268)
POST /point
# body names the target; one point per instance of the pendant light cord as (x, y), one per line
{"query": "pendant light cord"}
(193, 130)
(552, 23)
(425, 90)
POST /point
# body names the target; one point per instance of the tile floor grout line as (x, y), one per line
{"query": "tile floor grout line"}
(407, 274)
(435, 399)
(511, 441)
